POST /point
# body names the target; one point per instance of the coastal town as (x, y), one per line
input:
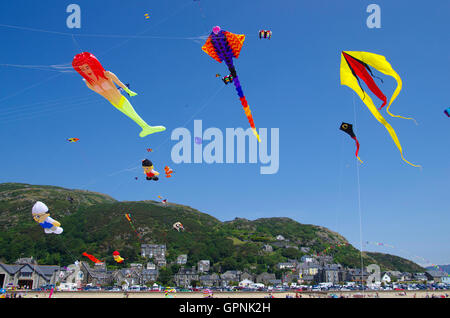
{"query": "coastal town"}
(309, 273)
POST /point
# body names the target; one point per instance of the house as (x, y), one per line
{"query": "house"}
(267, 248)
(97, 275)
(395, 275)
(289, 277)
(230, 276)
(356, 275)
(160, 261)
(182, 259)
(385, 278)
(185, 277)
(149, 275)
(331, 274)
(265, 278)
(406, 277)
(308, 269)
(305, 249)
(245, 283)
(280, 238)
(152, 250)
(289, 265)
(203, 266)
(26, 273)
(435, 275)
(420, 277)
(247, 276)
(127, 277)
(151, 265)
(307, 279)
(307, 259)
(212, 280)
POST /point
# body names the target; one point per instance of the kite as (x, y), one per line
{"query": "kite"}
(169, 292)
(151, 174)
(147, 16)
(227, 79)
(447, 112)
(168, 171)
(149, 150)
(41, 215)
(348, 128)
(117, 257)
(73, 139)
(163, 201)
(198, 140)
(218, 75)
(379, 244)
(355, 66)
(266, 34)
(332, 247)
(128, 216)
(207, 293)
(92, 258)
(104, 83)
(223, 46)
(178, 226)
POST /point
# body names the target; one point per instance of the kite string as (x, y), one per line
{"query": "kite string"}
(359, 204)
(207, 102)
(338, 205)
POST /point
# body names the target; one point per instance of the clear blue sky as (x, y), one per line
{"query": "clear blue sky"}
(291, 82)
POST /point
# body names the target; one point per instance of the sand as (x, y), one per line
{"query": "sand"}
(352, 294)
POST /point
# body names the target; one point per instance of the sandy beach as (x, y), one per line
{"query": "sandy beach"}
(245, 295)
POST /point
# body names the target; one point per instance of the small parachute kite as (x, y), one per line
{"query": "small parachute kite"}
(168, 171)
(117, 257)
(92, 258)
(348, 128)
(104, 83)
(178, 226)
(73, 139)
(266, 34)
(163, 201)
(355, 66)
(149, 171)
(149, 149)
(447, 112)
(41, 215)
(223, 46)
(227, 79)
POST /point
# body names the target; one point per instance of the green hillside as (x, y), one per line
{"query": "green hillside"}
(96, 224)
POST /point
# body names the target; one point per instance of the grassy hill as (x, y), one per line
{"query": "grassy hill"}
(95, 223)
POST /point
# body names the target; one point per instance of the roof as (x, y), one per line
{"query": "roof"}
(43, 270)
(437, 273)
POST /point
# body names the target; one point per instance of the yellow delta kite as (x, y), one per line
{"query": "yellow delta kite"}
(355, 66)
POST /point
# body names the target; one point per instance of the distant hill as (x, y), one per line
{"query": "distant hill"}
(96, 223)
(445, 268)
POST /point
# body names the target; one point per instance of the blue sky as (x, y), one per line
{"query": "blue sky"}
(291, 82)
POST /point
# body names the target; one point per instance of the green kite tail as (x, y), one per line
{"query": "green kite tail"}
(126, 108)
